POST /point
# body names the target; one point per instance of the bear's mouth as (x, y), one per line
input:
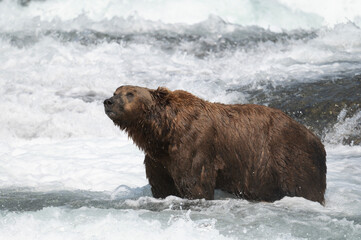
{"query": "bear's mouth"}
(109, 113)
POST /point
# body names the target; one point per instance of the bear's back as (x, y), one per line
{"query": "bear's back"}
(275, 155)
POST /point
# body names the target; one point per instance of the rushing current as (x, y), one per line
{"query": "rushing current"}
(66, 172)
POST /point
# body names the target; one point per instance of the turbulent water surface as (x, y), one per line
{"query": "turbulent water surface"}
(68, 173)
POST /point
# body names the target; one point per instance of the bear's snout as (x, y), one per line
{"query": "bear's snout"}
(108, 102)
(108, 106)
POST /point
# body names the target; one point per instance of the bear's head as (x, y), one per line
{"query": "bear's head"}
(129, 104)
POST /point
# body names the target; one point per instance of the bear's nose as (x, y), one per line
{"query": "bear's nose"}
(108, 102)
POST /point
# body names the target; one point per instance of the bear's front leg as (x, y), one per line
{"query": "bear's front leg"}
(195, 179)
(161, 183)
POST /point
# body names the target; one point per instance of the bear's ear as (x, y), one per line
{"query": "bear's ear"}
(161, 94)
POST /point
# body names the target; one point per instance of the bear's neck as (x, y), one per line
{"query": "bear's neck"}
(151, 134)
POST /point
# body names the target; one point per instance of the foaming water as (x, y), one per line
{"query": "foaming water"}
(88, 188)
(88, 223)
(346, 130)
(68, 172)
(87, 164)
(265, 14)
(332, 12)
(51, 87)
(290, 218)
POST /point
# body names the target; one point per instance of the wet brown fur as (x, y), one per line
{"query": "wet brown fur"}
(193, 146)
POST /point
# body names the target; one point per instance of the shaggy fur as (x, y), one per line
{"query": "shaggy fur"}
(193, 146)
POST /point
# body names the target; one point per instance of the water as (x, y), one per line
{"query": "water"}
(68, 173)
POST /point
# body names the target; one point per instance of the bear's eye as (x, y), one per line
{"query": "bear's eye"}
(130, 96)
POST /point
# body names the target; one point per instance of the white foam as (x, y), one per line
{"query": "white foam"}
(44, 87)
(343, 178)
(333, 11)
(345, 128)
(276, 15)
(246, 12)
(55, 223)
(86, 164)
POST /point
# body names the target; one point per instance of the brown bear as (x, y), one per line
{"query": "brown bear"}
(193, 146)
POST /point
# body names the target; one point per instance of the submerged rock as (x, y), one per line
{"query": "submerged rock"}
(317, 104)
